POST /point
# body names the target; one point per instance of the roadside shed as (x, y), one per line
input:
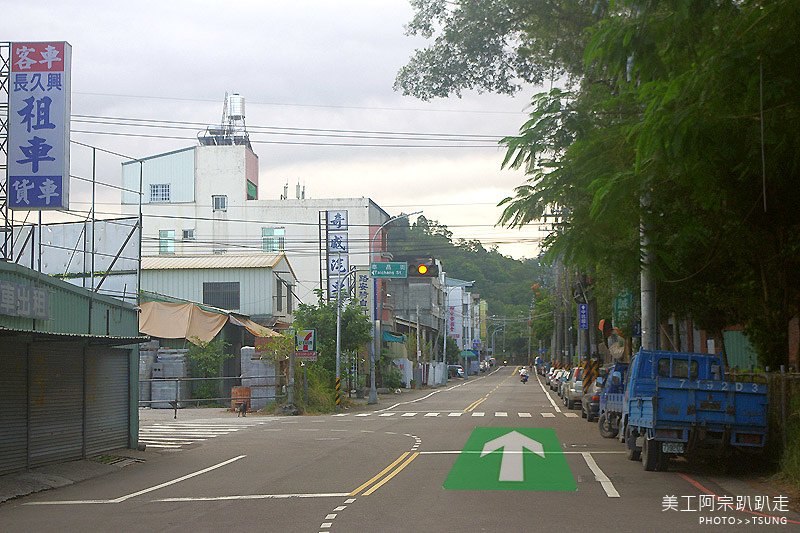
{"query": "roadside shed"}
(68, 371)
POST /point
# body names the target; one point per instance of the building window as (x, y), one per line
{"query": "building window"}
(252, 190)
(273, 239)
(223, 294)
(220, 202)
(188, 234)
(279, 296)
(166, 241)
(159, 193)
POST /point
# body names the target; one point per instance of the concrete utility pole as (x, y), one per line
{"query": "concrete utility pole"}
(648, 286)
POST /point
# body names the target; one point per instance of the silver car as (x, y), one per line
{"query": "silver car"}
(572, 391)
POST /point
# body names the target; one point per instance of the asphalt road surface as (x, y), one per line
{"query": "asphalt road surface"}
(487, 454)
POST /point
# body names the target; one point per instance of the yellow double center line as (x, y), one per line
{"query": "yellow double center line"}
(471, 407)
(403, 462)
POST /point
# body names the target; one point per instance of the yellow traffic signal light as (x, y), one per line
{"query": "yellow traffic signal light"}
(422, 270)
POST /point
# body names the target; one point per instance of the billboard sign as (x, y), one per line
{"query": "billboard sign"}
(38, 138)
(305, 344)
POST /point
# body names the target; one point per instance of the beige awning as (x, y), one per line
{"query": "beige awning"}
(169, 320)
(256, 329)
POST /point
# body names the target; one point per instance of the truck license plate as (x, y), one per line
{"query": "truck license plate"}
(672, 447)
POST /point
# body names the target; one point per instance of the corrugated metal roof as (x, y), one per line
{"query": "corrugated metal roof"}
(167, 262)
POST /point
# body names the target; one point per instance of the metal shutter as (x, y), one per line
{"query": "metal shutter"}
(13, 407)
(107, 397)
(56, 403)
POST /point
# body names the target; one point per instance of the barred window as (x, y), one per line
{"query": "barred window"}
(159, 193)
(223, 294)
(220, 202)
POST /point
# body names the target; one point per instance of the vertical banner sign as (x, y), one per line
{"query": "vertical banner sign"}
(38, 138)
(364, 290)
(338, 249)
(583, 316)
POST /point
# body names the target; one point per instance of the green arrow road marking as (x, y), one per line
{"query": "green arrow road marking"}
(511, 459)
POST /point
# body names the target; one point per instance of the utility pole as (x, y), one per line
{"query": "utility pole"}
(647, 284)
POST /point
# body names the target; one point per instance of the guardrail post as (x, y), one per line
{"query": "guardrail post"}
(177, 396)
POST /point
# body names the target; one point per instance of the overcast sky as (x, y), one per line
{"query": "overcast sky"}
(299, 64)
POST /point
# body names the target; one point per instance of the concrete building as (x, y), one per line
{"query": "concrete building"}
(205, 200)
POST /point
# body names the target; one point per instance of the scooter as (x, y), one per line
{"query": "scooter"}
(524, 378)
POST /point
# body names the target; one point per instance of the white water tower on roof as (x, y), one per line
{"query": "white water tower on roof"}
(232, 129)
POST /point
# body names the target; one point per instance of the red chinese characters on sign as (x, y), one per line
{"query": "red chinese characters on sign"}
(37, 57)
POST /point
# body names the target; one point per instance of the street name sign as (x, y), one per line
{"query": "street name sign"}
(511, 459)
(393, 269)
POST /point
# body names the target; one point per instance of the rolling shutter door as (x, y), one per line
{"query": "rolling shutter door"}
(107, 397)
(56, 403)
(13, 407)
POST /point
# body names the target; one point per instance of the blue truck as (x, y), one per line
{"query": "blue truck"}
(679, 403)
(612, 381)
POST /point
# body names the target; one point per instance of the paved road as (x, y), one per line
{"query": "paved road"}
(415, 465)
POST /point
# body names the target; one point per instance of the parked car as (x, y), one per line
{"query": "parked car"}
(557, 380)
(573, 388)
(590, 403)
(554, 379)
(455, 371)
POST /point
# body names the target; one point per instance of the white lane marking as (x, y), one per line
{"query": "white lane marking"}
(326, 525)
(308, 429)
(501, 413)
(331, 516)
(328, 438)
(255, 497)
(409, 414)
(431, 414)
(349, 500)
(341, 430)
(145, 491)
(363, 414)
(548, 415)
(154, 445)
(411, 401)
(600, 476)
(455, 414)
(340, 508)
(340, 414)
(524, 415)
(386, 414)
(571, 415)
(477, 413)
(546, 393)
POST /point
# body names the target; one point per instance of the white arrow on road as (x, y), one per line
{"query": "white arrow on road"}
(511, 465)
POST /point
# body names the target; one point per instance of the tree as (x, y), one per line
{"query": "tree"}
(689, 103)
(355, 330)
(205, 361)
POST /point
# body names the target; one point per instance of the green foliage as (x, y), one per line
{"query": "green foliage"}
(355, 331)
(691, 104)
(392, 378)
(205, 361)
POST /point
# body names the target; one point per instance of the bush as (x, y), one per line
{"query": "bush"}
(392, 378)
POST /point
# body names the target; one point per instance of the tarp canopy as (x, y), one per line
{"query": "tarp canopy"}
(256, 329)
(174, 320)
(391, 337)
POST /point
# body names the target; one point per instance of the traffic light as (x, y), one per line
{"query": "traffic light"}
(423, 268)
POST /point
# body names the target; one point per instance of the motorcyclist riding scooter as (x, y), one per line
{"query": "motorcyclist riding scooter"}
(523, 374)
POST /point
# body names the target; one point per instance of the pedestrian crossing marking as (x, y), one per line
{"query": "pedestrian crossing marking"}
(571, 415)
(524, 415)
(548, 415)
(455, 414)
(477, 413)
(175, 435)
(431, 414)
(386, 414)
(409, 414)
(363, 414)
(501, 413)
